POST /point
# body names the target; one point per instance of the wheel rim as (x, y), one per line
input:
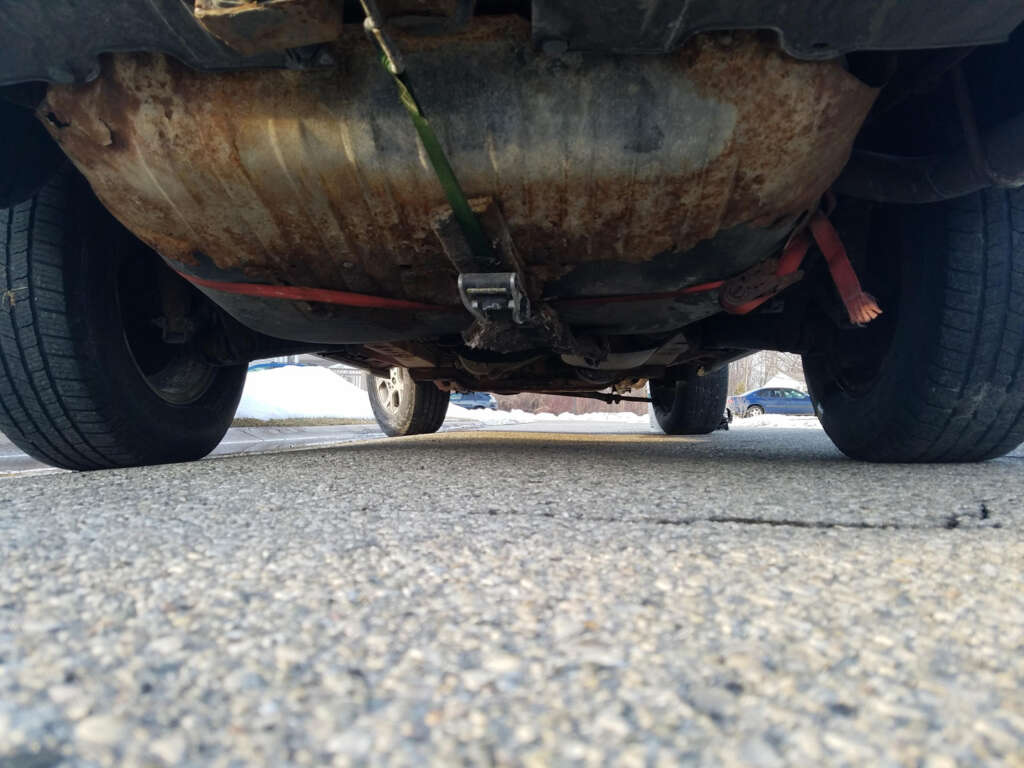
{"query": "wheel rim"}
(391, 390)
(755, 410)
(176, 373)
(181, 381)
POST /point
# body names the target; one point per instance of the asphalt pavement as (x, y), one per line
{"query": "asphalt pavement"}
(237, 440)
(517, 598)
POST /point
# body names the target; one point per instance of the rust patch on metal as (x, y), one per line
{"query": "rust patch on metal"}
(259, 26)
(317, 178)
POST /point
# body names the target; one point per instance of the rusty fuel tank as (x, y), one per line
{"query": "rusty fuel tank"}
(316, 178)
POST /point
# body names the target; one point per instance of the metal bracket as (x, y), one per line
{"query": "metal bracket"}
(491, 284)
(488, 293)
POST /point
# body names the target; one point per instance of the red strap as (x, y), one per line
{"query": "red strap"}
(632, 297)
(322, 295)
(860, 306)
(793, 255)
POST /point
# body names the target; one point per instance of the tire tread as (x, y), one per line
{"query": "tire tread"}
(967, 402)
(55, 399)
(698, 404)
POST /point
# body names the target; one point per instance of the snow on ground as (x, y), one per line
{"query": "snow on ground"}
(777, 420)
(307, 392)
(521, 417)
(301, 392)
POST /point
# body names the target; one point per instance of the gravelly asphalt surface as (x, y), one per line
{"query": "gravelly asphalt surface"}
(237, 440)
(750, 598)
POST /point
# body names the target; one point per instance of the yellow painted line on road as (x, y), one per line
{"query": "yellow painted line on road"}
(539, 437)
(480, 436)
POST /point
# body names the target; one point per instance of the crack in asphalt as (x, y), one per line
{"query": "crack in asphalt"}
(984, 513)
(953, 521)
(950, 522)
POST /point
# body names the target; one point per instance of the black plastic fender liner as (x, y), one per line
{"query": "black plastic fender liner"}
(60, 40)
(28, 156)
(807, 29)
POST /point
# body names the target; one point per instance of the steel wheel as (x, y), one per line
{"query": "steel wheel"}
(390, 391)
(403, 406)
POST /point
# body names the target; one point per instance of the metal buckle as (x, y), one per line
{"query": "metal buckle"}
(487, 293)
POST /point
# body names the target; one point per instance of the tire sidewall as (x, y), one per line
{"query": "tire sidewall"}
(862, 422)
(694, 406)
(150, 429)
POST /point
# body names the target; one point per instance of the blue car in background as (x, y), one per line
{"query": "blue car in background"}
(474, 400)
(771, 400)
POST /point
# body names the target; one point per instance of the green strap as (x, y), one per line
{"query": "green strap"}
(478, 241)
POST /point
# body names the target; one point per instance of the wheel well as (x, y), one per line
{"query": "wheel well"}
(28, 155)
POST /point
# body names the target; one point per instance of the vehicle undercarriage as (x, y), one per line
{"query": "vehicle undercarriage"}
(511, 197)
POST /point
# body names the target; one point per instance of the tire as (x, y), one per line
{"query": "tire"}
(943, 380)
(754, 410)
(406, 407)
(72, 389)
(691, 407)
